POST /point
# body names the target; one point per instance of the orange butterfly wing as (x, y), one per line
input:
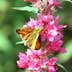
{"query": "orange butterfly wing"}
(38, 44)
(25, 33)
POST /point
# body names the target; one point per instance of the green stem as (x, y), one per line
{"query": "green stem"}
(61, 66)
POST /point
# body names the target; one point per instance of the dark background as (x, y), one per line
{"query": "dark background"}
(11, 19)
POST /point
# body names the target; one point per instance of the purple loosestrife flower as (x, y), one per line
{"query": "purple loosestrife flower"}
(36, 60)
(46, 32)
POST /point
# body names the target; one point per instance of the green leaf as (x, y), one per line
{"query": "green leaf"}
(68, 1)
(26, 8)
(61, 66)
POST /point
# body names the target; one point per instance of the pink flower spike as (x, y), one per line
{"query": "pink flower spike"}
(48, 40)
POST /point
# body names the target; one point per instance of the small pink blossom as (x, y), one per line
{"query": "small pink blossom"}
(55, 47)
(33, 23)
(63, 50)
(23, 60)
(51, 65)
(52, 61)
(54, 2)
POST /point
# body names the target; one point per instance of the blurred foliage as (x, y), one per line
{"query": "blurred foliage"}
(11, 19)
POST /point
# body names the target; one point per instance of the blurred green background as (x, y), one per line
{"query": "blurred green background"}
(11, 19)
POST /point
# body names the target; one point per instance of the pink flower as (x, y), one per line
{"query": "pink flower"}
(35, 60)
(55, 47)
(51, 64)
(23, 61)
(33, 23)
(52, 29)
(54, 2)
(63, 50)
(34, 53)
(44, 19)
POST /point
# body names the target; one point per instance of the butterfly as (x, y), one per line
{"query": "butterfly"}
(30, 37)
